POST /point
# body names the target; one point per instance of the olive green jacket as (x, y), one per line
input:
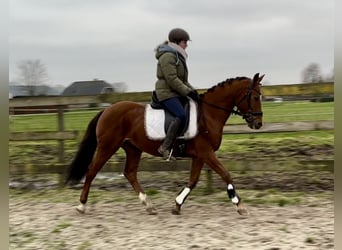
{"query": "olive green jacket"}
(172, 74)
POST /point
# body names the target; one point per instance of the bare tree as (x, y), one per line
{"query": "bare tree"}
(32, 73)
(331, 76)
(312, 73)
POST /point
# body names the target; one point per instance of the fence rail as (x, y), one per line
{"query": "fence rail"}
(41, 136)
(277, 127)
(228, 129)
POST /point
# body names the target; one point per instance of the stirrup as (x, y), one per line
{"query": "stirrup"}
(170, 157)
(166, 154)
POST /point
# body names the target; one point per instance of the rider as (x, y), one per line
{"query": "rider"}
(172, 86)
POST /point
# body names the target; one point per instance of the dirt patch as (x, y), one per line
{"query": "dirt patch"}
(290, 149)
(299, 181)
(309, 181)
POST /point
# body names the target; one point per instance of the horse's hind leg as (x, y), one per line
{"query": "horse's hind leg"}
(102, 155)
(133, 155)
(195, 172)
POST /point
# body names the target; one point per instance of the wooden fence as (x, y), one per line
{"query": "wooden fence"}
(60, 103)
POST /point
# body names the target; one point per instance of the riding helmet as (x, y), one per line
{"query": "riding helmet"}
(177, 35)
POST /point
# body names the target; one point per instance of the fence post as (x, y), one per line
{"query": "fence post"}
(209, 188)
(60, 121)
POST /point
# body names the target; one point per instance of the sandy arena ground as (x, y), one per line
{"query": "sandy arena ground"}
(116, 220)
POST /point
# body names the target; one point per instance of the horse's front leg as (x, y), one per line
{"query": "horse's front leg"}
(212, 161)
(196, 167)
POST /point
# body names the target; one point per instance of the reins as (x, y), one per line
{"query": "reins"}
(202, 114)
(215, 106)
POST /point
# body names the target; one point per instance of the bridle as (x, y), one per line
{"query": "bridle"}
(249, 116)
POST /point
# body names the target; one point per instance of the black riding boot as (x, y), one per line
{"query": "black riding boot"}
(171, 135)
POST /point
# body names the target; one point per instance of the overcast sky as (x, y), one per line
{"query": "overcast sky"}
(114, 40)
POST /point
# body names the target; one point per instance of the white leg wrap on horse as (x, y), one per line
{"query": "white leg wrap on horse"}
(81, 208)
(181, 197)
(235, 200)
(232, 195)
(142, 198)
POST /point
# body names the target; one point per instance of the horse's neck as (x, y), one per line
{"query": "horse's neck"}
(218, 109)
(215, 118)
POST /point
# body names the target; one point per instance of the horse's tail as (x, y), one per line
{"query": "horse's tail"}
(85, 153)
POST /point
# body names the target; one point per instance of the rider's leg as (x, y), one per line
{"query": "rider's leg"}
(171, 135)
(175, 107)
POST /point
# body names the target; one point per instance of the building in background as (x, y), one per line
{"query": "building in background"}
(94, 87)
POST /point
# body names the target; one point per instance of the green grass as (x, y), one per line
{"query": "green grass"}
(85, 245)
(284, 229)
(309, 240)
(291, 111)
(73, 120)
(266, 145)
(61, 226)
(152, 192)
(273, 112)
(269, 145)
(250, 142)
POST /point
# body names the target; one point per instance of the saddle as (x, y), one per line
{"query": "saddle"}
(157, 120)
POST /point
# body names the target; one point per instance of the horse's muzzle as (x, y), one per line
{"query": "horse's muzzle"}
(254, 123)
(253, 119)
(257, 125)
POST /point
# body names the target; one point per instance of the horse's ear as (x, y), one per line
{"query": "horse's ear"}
(256, 78)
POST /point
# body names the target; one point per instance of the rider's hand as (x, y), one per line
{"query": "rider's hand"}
(193, 94)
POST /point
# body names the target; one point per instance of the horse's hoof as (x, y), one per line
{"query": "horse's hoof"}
(81, 208)
(151, 211)
(242, 210)
(175, 211)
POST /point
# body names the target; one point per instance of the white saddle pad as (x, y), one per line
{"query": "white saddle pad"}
(155, 119)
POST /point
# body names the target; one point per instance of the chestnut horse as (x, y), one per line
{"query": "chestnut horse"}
(122, 125)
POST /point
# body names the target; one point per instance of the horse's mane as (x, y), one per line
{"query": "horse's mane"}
(227, 81)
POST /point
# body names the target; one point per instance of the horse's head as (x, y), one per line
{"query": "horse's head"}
(248, 103)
